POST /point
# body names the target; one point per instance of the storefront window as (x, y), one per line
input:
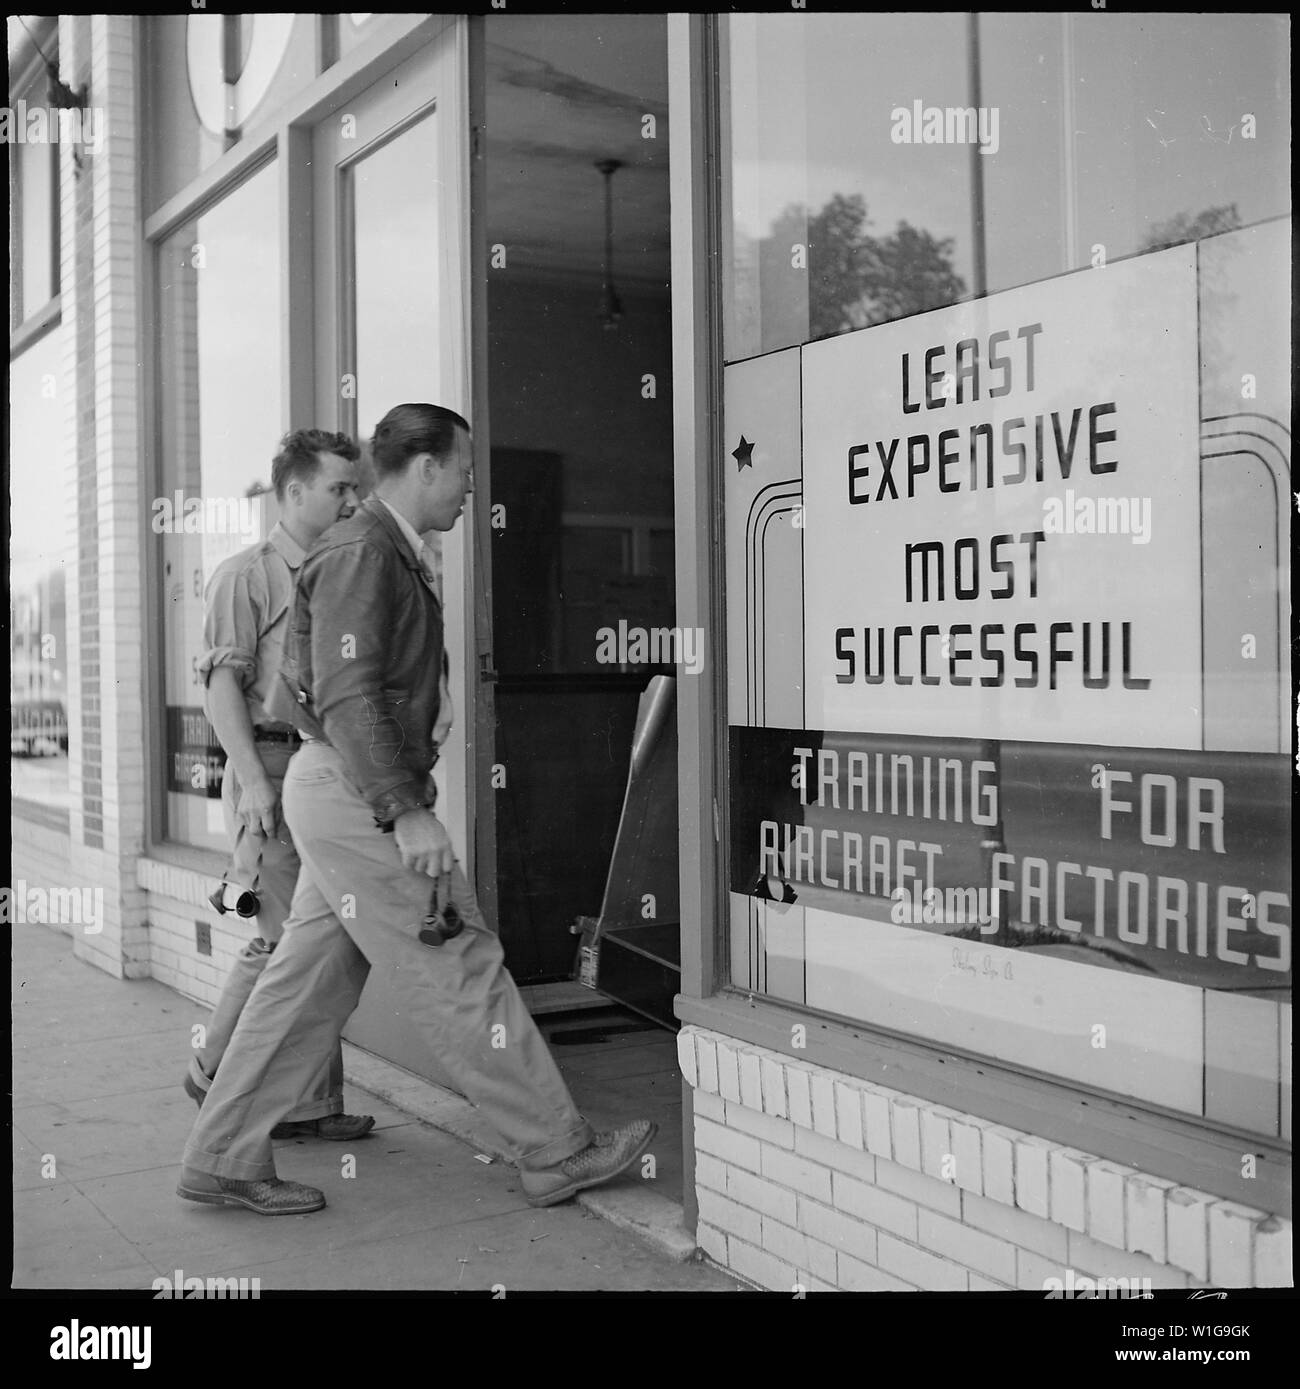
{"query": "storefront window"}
(209, 79)
(38, 661)
(221, 414)
(33, 209)
(849, 204)
(1006, 540)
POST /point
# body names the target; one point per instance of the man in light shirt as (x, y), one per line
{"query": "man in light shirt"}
(246, 616)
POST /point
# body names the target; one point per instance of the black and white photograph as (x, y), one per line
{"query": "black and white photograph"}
(651, 655)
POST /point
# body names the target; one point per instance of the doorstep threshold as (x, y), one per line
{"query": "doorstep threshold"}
(656, 1219)
(567, 996)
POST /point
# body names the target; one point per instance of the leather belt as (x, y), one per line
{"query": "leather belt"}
(276, 735)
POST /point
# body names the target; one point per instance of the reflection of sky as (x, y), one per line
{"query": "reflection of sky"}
(39, 537)
(822, 88)
(239, 338)
(396, 276)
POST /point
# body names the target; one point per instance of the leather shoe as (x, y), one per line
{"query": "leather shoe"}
(194, 1090)
(338, 1128)
(270, 1196)
(606, 1156)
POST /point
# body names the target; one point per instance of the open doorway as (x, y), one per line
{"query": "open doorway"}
(574, 513)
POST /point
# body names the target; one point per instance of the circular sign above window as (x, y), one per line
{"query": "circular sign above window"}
(223, 106)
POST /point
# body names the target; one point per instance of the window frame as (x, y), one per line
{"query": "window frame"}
(29, 322)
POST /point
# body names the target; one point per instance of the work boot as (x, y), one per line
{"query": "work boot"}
(338, 1128)
(194, 1090)
(604, 1157)
(270, 1196)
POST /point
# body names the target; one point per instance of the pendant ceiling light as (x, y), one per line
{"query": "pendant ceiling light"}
(612, 306)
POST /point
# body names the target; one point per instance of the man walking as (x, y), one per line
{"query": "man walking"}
(247, 610)
(366, 668)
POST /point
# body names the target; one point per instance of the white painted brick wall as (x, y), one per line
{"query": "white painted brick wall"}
(876, 1207)
(728, 1073)
(799, 1094)
(797, 1173)
(773, 1080)
(751, 1082)
(1106, 1201)
(999, 1165)
(905, 1133)
(1145, 1199)
(791, 1198)
(988, 1285)
(967, 1154)
(1232, 1232)
(686, 1058)
(831, 1228)
(761, 1267)
(1067, 1171)
(764, 1127)
(809, 1257)
(737, 1220)
(940, 1196)
(761, 1195)
(1015, 1226)
(706, 1056)
(1031, 1174)
(724, 1143)
(967, 1246)
(823, 1103)
(858, 1277)
(711, 1172)
(1273, 1254)
(1187, 1231)
(875, 1114)
(712, 1241)
(1099, 1260)
(829, 1153)
(848, 1115)
(1033, 1271)
(709, 1106)
(920, 1268)
(936, 1144)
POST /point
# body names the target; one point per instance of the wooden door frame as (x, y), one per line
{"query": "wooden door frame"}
(481, 677)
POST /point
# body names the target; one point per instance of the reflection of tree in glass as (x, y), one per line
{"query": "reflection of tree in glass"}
(1185, 227)
(856, 279)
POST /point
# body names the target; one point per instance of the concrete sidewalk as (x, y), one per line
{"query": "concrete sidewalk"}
(100, 1121)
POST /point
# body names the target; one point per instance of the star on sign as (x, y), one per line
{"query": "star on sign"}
(744, 454)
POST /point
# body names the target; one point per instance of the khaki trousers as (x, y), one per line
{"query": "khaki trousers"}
(274, 864)
(356, 908)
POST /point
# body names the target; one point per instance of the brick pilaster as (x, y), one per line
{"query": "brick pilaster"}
(106, 617)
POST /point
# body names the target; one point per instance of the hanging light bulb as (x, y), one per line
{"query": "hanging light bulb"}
(612, 306)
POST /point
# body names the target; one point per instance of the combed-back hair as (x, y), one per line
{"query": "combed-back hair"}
(410, 429)
(299, 455)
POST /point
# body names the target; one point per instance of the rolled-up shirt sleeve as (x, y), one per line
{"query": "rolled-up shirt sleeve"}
(230, 625)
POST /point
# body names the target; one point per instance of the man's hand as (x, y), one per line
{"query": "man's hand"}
(423, 843)
(259, 808)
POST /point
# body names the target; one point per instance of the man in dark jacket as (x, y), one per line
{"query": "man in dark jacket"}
(365, 681)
